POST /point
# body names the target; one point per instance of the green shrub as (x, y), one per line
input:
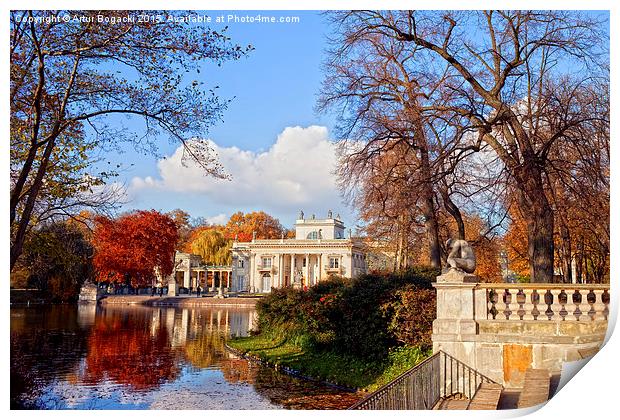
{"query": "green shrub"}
(357, 317)
(411, 314)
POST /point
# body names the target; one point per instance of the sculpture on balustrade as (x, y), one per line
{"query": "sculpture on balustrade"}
(460, 256)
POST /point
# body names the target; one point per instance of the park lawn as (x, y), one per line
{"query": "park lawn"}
(340, 369)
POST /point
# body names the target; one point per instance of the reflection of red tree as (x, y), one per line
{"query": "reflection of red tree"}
(239, 370)
(129, 354)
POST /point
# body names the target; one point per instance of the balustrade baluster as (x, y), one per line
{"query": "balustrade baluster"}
(513, 305)
(502, 306)
(556, 307)
(529, 305)
(492, 298)
(571, 306)
(599, 306)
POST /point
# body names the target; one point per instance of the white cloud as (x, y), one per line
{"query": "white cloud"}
(220, 219)
(296, 172)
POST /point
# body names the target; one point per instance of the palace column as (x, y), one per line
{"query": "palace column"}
(251, 270)
(172, 285)
(292, 269)
(320, 257)
(280, 260)
(307, 271)
(187, 277)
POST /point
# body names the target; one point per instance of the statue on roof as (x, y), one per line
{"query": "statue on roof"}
(329, 214)
(301, 215)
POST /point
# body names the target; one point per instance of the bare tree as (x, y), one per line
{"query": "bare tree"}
(69, 74)
(496, 70)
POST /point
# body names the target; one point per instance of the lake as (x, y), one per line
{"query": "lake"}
(139, 357)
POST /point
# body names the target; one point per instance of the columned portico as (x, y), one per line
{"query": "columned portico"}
(318, 250)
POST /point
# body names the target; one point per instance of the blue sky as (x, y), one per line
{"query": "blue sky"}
(272, 143)
(274, 87)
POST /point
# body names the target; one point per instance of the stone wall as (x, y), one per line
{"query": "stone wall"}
(501, 330)
(90, 293)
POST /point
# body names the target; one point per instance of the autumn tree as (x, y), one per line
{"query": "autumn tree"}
(387, 204)
(132, 247)
(58, 259)
(369, 82)
(182, 220)
(212, 244)
(498, 76)
(242, 226)
(67, 75)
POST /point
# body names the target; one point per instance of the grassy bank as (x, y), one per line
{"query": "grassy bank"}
(345, 370)
(360, 333)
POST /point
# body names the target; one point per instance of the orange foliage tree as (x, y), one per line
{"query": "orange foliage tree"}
(133, 246)
(515, 243)
(243, 226)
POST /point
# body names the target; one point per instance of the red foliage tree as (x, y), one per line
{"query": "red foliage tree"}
(133, 246)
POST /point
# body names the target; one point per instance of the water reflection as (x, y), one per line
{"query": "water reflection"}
(139, 357)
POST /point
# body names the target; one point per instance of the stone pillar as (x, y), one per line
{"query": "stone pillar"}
(172, 285)
(455, 327)
(320, 258)
(187, 277)
(292, 269)
(280, 270)
(307, 271)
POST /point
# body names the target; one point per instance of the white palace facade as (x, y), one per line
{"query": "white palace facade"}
(318, 250)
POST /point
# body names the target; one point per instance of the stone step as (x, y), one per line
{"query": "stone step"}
(535, 388)
(486, 397)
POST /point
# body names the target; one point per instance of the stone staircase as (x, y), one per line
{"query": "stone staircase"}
(537, 389)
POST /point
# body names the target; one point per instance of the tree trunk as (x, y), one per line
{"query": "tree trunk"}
(20, 236)
(535, 207)
(399, 250)
(432, 230)
(454, 212)
(566, 253)
(579, 262)
(428, 209)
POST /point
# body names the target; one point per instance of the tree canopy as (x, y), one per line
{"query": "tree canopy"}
(69, 78)
(525, 92)
(134, 246)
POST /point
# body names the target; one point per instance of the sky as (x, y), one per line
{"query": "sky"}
(277, 150)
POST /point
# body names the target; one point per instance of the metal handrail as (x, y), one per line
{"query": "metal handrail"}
(421, 387)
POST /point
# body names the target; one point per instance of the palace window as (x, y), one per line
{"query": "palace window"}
(333, 262)
(240, 263)
(313, 235)
(303, 262)
(266, 262)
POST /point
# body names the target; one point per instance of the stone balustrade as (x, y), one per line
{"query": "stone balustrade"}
(503, 329)
(546, 302)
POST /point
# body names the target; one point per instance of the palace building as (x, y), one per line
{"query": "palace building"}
(318, 250)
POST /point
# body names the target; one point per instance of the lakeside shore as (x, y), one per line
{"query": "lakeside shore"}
(341, 370)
